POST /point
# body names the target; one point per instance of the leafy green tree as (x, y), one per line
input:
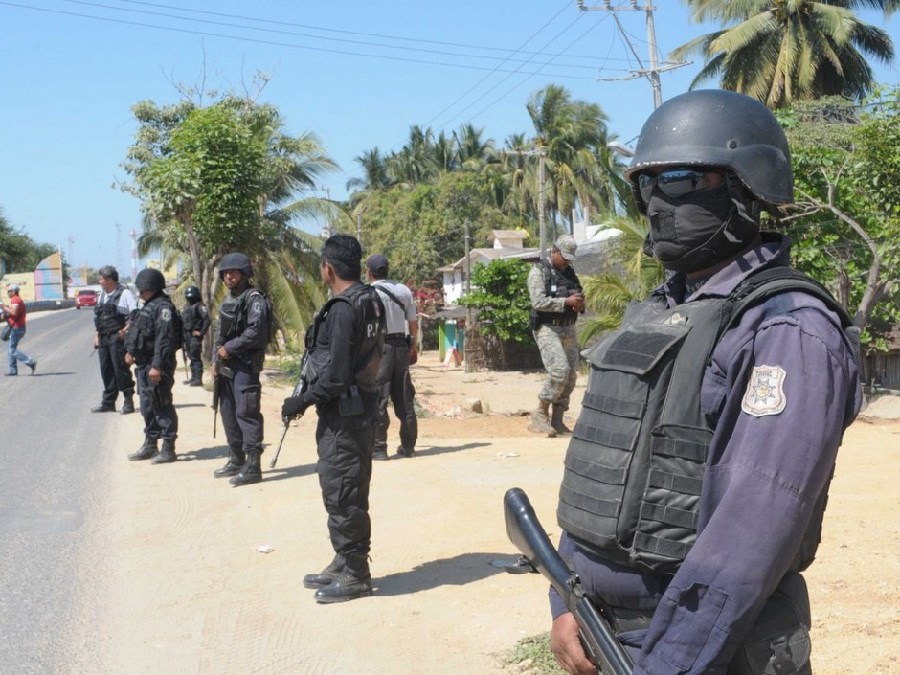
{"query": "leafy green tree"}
(781, 51)
(500, 294)
(846, 223)
(18, 251)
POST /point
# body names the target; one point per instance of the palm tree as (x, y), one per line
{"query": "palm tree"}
(631, 279)
(780, 51)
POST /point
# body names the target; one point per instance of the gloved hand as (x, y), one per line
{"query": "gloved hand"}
(292, 407)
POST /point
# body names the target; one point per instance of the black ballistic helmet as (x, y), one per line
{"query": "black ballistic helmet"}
(717, 128)
(150, 280)
(192, 294)
(235, 261)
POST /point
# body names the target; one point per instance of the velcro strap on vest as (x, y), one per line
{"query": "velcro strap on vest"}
(608, 508)
(613, 406)
(669, 515)
(663, 547)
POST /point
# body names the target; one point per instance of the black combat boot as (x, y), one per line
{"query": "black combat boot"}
(354, 581)
(166, 454)
(251, 472)
(146, 451)
(128, 405)
(233, 465)
(196, 377)
(326, 576)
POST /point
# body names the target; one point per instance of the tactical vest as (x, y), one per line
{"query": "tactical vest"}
(141, 337)
(557, 284)
(370, 324)
(634, 468)
(106, 315)
(190, 318)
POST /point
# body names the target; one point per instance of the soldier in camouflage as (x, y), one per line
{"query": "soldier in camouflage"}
(556, 300)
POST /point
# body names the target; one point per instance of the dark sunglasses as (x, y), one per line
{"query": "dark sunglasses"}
(675, 182)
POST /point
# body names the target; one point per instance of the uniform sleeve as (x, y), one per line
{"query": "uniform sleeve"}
(537, 292)
(342, 346)
(785, 392)
(204, 319)
(256, 333)
(165, 339)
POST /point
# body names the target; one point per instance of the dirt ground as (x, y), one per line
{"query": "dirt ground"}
(186, 587)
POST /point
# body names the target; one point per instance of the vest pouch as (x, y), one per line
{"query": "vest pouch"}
(601, 490)
(667, 522)
(350, 404)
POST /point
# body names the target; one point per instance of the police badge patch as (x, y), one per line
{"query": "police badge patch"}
(165, 314)
(765, 391)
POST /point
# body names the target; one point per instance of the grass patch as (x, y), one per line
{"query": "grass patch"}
(532, 656)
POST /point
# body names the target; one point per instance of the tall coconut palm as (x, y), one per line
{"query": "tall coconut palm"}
(780, 51)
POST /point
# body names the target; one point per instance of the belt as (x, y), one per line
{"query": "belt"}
(395, 336)
(560, 322)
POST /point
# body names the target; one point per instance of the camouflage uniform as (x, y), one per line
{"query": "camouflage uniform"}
(553, 325)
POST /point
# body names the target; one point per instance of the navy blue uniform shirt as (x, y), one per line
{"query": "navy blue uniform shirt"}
(767, 466)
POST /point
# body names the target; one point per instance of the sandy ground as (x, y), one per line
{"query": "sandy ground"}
(179, 583)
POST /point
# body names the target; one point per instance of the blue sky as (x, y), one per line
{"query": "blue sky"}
(357, 74)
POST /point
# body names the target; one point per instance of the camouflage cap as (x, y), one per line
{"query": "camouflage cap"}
(566, 246)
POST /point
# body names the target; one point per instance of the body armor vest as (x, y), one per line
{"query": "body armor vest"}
(558, 284)
(233, 322)
(190, 318)
(370, 321)
(634, 468)
(141, 337)
(107, 316)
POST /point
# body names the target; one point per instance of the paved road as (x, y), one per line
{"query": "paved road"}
(51, 477)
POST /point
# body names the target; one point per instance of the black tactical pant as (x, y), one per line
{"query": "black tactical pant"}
(239, 401)
(344, 447)
(194, 348)
(396, 385)
(157, 407)
(115, 372)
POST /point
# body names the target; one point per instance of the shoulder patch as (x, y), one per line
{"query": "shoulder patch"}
(765, 392)
(165, 314)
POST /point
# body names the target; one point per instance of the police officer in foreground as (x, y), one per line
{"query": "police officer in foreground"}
(556, 300)
(341, 375)
(240, 349)
(195, 322)
(111, 313)
(152, 339)
(696, 478)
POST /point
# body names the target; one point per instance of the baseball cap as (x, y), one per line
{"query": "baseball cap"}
(377, 264)
(14, 287)
(566, 246)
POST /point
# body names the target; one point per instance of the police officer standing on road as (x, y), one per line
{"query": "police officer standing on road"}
(195, 320)
(696, 479)
(344, 346)
(152, 338)
(556, 301)
(240, 350)
(399, 351)
(113, 309)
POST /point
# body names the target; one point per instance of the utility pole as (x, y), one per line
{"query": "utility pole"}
(541, 155)
(134, 254)
(651, 73)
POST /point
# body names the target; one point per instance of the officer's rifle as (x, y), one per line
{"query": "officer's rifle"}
(298, 389)
(539, 555)
(215, 402)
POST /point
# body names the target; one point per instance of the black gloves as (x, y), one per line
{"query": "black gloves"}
(292, 407)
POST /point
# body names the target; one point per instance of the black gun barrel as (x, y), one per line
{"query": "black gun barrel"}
(526, 534)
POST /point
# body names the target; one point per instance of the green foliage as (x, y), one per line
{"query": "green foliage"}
(18, 251)
(630, 277)
(500, 294)
(532, 655)
(847, 234)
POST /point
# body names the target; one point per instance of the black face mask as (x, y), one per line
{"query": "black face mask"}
(698, 230)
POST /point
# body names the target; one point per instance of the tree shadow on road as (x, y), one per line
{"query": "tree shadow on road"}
(456, 571)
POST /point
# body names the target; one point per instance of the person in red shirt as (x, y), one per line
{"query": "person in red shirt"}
(14, 313)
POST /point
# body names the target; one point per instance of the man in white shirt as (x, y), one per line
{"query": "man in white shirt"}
(111, 314)
(399, 353)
